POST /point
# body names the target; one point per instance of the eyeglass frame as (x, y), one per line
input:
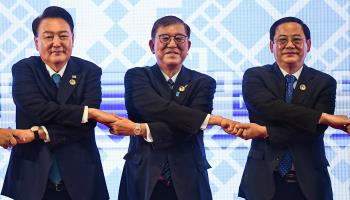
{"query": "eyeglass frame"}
(185, 37)
(283, 41)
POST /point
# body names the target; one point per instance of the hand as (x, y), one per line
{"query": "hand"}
(124, 126)
(250, 131)
(341, 122)
(228, 125)
(6, 138)
(101, 116)
(23, 136)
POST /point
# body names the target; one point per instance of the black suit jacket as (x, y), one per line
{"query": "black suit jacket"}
(290, 125)
(39, 102)
(174, 118)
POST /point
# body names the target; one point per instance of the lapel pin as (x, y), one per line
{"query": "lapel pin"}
(302, 87)
(72, 81)
(182, 88)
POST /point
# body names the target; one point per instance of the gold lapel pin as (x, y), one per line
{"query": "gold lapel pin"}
(182, 88)
(302, 87)
(72, 82)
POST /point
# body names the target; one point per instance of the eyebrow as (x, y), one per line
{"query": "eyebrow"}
(51, 32)
(287, 35)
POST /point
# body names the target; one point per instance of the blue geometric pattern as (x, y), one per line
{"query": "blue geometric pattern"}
(227, 38)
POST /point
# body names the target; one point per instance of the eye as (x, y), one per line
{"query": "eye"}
(282, 41)
(180, 38)
(164, 38)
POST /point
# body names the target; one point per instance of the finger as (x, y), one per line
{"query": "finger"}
(13, 141)
(242, 125)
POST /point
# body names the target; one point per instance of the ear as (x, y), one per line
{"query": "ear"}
(36, 43)
(72, 39)
(308, 43)
(151, 45)
(271, 46)
(189, 44)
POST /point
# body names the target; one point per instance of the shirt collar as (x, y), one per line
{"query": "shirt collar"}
(51, 71)
(172, 78)
(296, 74)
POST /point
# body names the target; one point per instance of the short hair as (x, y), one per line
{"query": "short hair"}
(169, 20)
(52, 12)
(274, 26)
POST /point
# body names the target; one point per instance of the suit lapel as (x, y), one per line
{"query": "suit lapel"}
(278, 84)
(46, 84)
(160, 83)
(303, 85)
(182, 85)
(69, 82)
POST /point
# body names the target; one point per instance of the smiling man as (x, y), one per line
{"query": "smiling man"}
(58, 159)
(166, 157)
(290, 106)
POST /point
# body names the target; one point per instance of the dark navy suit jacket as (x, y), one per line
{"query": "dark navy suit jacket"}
(39, 102)
(174, 117)
(290, 125)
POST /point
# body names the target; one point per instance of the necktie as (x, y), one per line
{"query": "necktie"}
(165, 174)
(56, 79)
(171, 83)
(55, 176)
(287, 160)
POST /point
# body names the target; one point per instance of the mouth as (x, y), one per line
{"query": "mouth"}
(290, 53)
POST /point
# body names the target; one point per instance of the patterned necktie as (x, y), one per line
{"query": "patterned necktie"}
(165, 174)
(55, 176)
(171, 83)
(287, 160)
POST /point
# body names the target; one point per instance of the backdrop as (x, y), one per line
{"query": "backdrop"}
(227, 38)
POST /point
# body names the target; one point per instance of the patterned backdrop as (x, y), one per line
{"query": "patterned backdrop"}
(228, 37)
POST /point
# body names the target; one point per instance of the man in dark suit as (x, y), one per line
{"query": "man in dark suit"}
(171, 103)
(290, 105)
(54, 94)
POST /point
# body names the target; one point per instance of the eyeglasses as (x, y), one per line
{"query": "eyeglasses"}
(297, 41)
(179, 39)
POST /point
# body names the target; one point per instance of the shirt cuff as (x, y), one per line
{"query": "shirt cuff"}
(205, 122)
(148, 137)
(47, 134)
(85, 115)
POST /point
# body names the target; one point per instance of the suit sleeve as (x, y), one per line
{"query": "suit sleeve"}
(165, 135)
(63, 121)
(153, 108)
(287, 122)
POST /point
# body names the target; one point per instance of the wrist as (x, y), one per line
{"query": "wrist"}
(215, 120)
(42, 134)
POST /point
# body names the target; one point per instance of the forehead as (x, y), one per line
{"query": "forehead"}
(53, 25)
(171, 29)
(289, 28)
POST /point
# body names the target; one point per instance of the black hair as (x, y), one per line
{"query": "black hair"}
(169, 20)
(52, 12)
(274, 26)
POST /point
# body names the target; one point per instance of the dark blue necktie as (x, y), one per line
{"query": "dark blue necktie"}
(55, 176)
(165, 174)
(287, 160)
(171, 83)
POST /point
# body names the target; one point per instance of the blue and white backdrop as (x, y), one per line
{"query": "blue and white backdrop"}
(228, 37)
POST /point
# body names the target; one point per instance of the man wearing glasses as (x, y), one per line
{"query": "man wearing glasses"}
(166, 157)
(291, 105)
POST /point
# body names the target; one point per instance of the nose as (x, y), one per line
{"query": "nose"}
(290, 44)
(56, 41)
(172, 42)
